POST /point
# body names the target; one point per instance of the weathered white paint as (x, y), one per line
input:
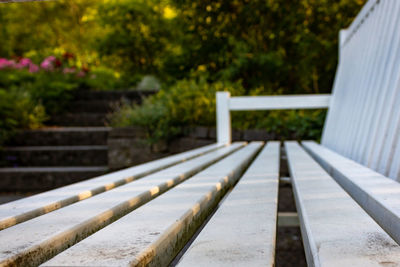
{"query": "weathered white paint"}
(279, 102)
(335, 230)
(38, 239)
(363, 121)
(154, 234)
(224, 132)
(30, 207)
(376, 194)
(243, 230)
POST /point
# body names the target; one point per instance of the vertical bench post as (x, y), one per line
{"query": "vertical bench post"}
(223, 118)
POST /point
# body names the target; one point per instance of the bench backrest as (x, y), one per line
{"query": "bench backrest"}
(363, 121)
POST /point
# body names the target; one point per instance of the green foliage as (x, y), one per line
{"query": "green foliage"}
(38, 29)
(17, 110)
(27, 98)
(136, 35)
(53, 90)
(283, 45)
(189, 102)
(294, 124)
(104, 79)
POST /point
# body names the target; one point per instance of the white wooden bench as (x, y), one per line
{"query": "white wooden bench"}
(217, 205)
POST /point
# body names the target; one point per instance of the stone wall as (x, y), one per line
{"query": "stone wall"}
(128, 146)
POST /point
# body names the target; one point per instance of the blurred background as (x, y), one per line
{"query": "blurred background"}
(53, 53)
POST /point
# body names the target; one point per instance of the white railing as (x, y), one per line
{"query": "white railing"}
(226, 103)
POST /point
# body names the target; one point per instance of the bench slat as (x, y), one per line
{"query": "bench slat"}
(279, 102)
(335, 230)
(376, 194)
(243, 230)
(155, 233)
(28, 208)
(44, 236)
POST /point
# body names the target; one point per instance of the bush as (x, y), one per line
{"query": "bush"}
(191, 102)
(28, 91)
(17, 110)
(53, 81)
(283, 124)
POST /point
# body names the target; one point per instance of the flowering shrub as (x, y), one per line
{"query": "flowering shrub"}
(49, 83)
(31, 91)
(22, 64)
(49, 64)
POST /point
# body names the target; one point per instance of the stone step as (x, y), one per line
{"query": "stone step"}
(113, 95)
(36, 179)
(96, 106)
(61, 136)
(54, 156)
(93, 106)
(79, 119)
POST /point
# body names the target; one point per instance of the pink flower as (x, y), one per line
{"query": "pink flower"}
(50, 58)
(48, 63)
(33, 68)
(25, 62)
(81, 74)
(68, 70)
(11, 64)
(5, 63)
(18, 66)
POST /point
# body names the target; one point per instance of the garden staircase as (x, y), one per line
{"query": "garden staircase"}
(72, 148)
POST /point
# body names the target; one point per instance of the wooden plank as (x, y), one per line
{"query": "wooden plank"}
(335, 230)
(279, 102)
(366, 11)
(376, 194)
(243, 229)
(362, 78)
(359, 76)
(394, 170)
(153, 234)
(383, 64)
(389, 140)
(363, 119)
(37, 240)
(27, 208)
